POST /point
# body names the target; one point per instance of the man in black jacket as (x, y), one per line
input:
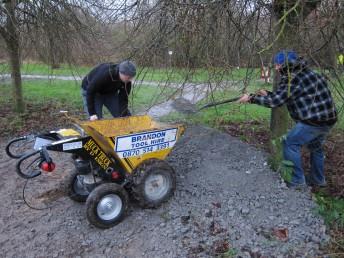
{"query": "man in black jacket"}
(108, 85)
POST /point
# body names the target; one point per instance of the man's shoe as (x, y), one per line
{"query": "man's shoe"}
(297, 186)
(310, 182)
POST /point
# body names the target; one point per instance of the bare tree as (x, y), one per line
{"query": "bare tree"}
(288, 17)
(10, 34)
(58, 26)
(217, 36)
(226, 34)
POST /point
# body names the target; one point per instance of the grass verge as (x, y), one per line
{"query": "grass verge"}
(44, 99)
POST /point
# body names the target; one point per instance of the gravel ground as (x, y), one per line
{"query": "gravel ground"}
(228, 203)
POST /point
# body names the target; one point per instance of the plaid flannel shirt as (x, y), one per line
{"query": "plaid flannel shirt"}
(309, 99)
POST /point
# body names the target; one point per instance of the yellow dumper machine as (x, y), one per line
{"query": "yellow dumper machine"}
(113, 158)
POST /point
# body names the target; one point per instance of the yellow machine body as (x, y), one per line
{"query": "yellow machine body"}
(131, 140)
(68, 132)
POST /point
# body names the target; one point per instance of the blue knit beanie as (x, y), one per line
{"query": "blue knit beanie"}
(284, 56)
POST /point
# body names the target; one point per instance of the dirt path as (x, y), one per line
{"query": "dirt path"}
(227, 200)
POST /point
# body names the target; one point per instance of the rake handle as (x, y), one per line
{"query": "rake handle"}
(219, 103)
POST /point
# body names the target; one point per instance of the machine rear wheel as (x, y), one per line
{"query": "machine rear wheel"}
(154, 182)
(106, 205)
(75, 188)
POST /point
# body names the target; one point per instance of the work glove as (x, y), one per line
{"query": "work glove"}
(245, 98)
(93, 117)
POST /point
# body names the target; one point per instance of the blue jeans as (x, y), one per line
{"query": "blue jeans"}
(313, 138)
(110, 101)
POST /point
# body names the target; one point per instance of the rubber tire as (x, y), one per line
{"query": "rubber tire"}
(96, 195)
(140, 174)
(70, 181)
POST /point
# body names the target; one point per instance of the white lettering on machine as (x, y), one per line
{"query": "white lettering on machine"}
(139, 144)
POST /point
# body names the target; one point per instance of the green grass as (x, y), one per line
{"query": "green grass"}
(235, 112)
(67, 93)
(331, 209)
(230, 112)
(143, 97)
(43, 69)
(196, 75)
(209, 74)
(147, 74)
(232, 252)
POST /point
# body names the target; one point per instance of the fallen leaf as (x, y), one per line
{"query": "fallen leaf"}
(216, 204)
(280, 233)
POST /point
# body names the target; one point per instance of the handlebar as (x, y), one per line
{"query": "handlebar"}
(33, 173)
(8, 146)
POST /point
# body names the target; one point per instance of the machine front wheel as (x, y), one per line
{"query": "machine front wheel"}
(106, 205)
(154, 182)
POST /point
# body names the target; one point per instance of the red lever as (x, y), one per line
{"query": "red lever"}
(48, 166)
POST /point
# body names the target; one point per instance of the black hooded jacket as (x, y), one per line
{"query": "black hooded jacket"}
(104, 79)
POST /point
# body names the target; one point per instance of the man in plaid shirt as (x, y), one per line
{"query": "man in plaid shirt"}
(310, 105)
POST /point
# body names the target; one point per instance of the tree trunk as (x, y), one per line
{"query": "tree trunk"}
(278, 127)
(288, 39)
(331, 61)
(12, 42)
(53, 59)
